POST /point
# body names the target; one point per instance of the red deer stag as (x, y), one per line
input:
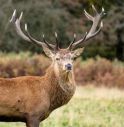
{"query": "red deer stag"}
(31, 99)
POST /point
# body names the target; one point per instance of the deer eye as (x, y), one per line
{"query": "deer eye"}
(72, 58)
(57, 59)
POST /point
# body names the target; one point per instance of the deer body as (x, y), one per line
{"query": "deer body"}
(31, 99)
(25, 97)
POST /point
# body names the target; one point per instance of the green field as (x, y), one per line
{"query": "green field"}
(90, 107)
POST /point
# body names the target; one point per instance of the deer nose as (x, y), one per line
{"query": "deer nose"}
(68, 66)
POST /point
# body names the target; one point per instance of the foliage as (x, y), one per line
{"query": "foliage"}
(65, 17)
(100, 72)
(97, 71)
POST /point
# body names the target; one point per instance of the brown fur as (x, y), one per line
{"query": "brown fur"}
(31, 99)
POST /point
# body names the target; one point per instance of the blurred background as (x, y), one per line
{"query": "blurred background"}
(102, 60)
(101, 65)
(66, 18)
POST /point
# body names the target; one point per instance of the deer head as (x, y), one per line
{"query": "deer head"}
(62, 58)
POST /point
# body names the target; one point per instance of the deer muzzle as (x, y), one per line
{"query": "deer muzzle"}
(68, 66)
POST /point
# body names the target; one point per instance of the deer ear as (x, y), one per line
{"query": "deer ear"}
(47, 51)
(78, 52)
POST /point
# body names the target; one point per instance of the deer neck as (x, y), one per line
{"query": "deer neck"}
(65, 80)
(62, 86)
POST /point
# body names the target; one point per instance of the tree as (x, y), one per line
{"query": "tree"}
(66, 18)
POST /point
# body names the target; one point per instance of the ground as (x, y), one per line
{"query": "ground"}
(90, 107)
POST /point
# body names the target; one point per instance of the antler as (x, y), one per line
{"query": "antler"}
(72, 41)
(57, 42)
(92, 32)
(27, 36)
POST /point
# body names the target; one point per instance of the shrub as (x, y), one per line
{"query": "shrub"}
(97, 71)
(100, 72)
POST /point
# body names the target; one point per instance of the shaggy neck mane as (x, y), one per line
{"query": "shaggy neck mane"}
(62, 86)
(65, 79)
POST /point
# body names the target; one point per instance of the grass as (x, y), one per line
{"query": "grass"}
(90, 107)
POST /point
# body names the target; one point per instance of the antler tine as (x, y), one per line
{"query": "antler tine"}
(97, 32)
(96, 19)
(49, 45)
(28, 37)
(31, 38)
(93, 7)
(44, 40)
(103, 12)
(88, 15)
(57, 42)
(13, 18)
(37, 42)
(70, 46)
(16, 22)
(78, 42)
(20, 17)
(74, 38)
(92, 32)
